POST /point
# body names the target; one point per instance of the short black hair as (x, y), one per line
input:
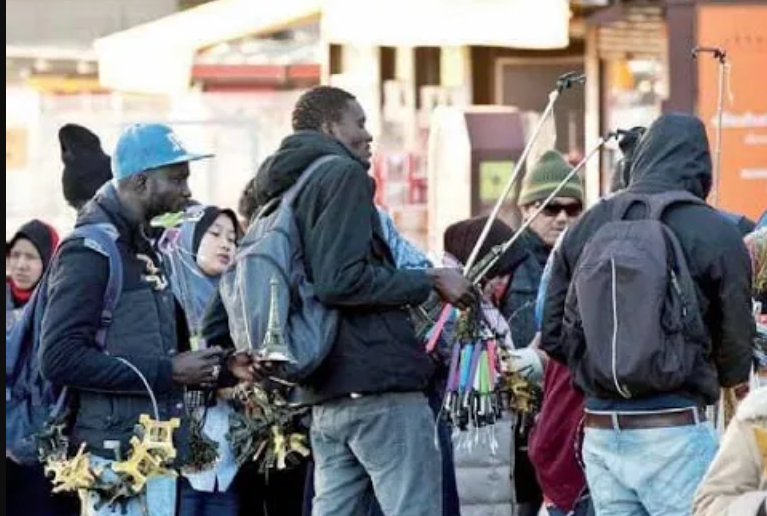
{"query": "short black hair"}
(248, 205)
(318, 106)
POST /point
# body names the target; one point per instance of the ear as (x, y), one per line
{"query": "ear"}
(140, 184)
(525, 211)
(327, 128)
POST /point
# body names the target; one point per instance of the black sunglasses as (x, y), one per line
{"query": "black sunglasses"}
(554, 209)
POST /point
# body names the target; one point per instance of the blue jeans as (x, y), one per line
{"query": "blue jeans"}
(652, 472)
(451, 505)
(381, 441)
(201, 503)
(583, 507)
(157, 499)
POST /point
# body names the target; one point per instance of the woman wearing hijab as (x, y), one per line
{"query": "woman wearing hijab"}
(28, 255)
(197, 252)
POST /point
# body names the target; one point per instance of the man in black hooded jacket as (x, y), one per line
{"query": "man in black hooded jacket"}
(648, 454)
(371, 424)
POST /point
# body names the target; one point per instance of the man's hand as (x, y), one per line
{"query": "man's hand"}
(247, 368)
(197, 367)
(242, 367)
(453, 287)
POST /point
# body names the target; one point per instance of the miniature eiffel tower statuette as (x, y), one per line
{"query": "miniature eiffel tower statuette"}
(274, 348)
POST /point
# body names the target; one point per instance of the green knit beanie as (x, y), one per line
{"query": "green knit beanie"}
(544, 178)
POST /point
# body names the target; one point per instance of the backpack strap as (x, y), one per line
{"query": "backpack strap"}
(294, 190)
(102, 238)
(658, 203)
(655, 204)
(291, 193)
(625, 201)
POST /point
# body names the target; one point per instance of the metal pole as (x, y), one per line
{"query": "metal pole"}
(721, 56)
(490, 260)
(718, 142)
(564, 82)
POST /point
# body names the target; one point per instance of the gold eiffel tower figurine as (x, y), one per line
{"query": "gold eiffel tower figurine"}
(274, 348)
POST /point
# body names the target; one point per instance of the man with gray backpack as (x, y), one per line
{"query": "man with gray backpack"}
(357, 357)
(649, 306)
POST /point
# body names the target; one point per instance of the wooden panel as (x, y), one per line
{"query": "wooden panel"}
(16, 148)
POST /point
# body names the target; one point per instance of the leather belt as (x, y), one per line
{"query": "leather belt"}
(644, 420)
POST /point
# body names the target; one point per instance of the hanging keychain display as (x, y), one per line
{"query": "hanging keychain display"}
(482, 384)
(151, 454)
(473, 396)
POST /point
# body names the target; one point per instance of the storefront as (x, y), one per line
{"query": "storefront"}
(643, 52)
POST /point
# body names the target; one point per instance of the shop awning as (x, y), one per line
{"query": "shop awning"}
(530, 24)
(157, 57)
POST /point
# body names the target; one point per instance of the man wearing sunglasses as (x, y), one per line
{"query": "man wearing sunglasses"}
(518, 305)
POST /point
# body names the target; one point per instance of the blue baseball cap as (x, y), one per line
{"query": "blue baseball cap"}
(143, 147)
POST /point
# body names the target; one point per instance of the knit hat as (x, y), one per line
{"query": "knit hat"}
(459, 240)
(43, 237)
(546, 176)
(86, 166)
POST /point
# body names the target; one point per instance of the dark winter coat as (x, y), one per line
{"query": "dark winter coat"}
(376, 350)
(674, 155)
(111, 396)
(518, 306)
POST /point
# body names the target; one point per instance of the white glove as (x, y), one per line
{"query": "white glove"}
(527, 362)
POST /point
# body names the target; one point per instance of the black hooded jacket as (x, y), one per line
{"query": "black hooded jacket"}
(350, 264)
(674, 155)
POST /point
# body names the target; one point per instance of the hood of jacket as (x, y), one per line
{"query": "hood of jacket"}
(673, 155)
(754, 407)
(283, 168)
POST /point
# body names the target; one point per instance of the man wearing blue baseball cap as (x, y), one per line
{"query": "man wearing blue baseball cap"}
(113, 376)
(153, 165)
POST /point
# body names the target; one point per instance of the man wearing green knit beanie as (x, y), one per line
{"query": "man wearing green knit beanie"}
(539, 184)
(518, 306)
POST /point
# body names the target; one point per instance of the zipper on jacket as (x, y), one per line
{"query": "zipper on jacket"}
(614, 350)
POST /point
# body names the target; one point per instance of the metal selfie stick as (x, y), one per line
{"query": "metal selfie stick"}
(721, 56)
(489, 261)
(564, 82)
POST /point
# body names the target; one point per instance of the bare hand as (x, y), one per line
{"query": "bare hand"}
(453, 287)
(241, 366)
(197, 367)
(247, 368)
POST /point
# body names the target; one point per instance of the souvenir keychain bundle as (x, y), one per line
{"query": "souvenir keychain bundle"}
(480, 386)
(472, 398)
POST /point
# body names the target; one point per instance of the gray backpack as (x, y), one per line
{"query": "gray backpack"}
(631, 309)
(270, 260)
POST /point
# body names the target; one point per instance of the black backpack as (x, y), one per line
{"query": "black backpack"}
(632, 318)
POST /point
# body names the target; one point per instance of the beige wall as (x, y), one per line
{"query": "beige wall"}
(76, 22)
(240, 129)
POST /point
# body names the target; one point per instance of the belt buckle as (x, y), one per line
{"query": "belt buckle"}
(356, 395)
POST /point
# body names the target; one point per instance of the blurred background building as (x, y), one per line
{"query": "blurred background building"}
(226, 73)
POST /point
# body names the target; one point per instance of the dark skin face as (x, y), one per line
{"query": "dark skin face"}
(351, 131)
(158, 191)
